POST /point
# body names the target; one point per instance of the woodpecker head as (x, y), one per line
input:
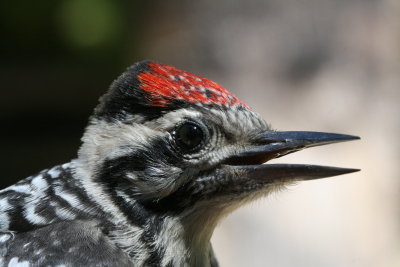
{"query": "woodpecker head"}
(178, 144)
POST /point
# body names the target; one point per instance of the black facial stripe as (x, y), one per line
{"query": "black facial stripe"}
(114, 171)
(112, 177)
(139, 160)
(151, 231)
(185, 197)
(134, 212)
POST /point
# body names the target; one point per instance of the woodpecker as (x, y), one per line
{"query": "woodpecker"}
(165, 156)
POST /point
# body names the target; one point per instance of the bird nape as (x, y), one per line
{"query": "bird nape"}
(165, 156)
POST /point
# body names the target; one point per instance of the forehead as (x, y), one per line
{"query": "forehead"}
(164, 84)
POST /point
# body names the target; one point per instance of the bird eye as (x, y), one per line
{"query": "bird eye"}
(189, 136)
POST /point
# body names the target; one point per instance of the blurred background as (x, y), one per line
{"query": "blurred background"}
(321, 65)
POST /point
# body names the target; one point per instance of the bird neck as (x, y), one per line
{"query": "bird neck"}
(183, 244)
(152, 237)
(163, 241)
(199, 225)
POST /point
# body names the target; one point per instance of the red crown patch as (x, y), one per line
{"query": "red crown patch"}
(165, 83)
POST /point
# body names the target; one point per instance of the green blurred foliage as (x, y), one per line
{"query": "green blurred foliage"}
(90, 23)
(69, 29)
(57, 58)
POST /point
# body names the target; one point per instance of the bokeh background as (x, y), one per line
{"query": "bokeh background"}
(322, 65)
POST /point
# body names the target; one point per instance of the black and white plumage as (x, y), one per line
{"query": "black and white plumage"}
(165, 156)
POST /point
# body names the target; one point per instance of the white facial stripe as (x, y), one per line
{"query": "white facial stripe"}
(240, 122)
(103, 140)
(171, 119)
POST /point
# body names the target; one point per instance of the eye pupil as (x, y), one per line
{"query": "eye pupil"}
(189, 136)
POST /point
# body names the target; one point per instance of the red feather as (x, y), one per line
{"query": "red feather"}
(165, 83)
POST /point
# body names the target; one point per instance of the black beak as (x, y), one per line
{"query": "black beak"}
(272, 144)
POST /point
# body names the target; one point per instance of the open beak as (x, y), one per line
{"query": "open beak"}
(271, 144)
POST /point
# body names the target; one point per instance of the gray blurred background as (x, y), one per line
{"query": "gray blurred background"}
(322, 65)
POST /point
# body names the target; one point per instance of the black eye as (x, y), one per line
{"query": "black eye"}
(189, 137)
